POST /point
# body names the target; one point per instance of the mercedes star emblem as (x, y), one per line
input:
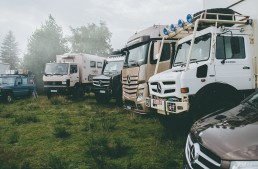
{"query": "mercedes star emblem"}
(128, 79)
(195, 148)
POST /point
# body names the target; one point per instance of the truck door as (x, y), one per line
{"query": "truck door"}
(74, 74)
(233, 65)
(19, 89)
(164, 63)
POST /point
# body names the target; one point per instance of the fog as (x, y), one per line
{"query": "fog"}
(123, 17)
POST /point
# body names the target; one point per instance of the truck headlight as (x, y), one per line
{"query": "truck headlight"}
(140, 95)
(244, 165)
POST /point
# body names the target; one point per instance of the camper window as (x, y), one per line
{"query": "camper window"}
(99, 65)
(73, 69)
(92, 64)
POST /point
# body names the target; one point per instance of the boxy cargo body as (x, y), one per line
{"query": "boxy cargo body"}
(214, 68)
(71, 74)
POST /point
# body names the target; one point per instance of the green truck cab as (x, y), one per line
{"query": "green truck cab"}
(16, 86)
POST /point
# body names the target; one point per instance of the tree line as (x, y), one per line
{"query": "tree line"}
(48, 41)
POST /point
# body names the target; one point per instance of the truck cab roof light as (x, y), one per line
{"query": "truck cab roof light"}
(189, 18)
(172, 28)
(180, 23)
(165, 31)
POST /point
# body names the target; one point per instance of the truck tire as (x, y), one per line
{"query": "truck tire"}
(102, 98)
(9, 97)
(215, 10)
(49, 95)
(213, 99)
(118, 97)
(79, 93)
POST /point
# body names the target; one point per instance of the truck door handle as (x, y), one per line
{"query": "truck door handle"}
(246, 67)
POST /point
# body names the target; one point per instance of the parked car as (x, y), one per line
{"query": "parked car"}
(14, 86)
(225, 139)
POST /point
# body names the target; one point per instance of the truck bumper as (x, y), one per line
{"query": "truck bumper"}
(58, 90)
(137, 104)
(167, 107)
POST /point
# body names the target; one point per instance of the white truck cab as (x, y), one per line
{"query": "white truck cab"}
(213, 68)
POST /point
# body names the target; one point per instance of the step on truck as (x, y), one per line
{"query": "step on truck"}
(140, 63)
(108, 85)
(71, 74)
(214, 67)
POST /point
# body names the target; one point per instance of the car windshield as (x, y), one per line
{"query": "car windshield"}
(56, 69)
(7, 80)
(252, 100)
(200, 50)
(137, 55)
(115, 66)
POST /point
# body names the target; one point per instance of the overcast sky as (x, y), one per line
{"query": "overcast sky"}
(123, 17)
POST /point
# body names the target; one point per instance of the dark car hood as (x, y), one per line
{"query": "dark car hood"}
(101, 77)
(232, 135)
(105, 76)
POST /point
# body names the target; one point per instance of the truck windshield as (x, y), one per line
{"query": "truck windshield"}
(200, 50)
(7, 80)
(56, 69)
(137, 55)
(115, 66)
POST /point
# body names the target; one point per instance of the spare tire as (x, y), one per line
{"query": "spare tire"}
(221, 17)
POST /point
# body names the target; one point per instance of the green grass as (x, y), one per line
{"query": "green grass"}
(66, 134)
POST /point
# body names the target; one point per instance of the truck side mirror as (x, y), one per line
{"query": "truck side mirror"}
(156, 50)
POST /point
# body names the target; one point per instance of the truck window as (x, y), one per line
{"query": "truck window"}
(18, 81)
(73, 69)
(24, 80)
(165, 55)
(99, 65)
(92, 64)
(230, 47)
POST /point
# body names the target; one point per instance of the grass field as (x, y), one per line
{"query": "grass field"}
(62, 134)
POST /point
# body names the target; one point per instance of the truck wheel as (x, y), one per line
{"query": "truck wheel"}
(79, 93)
(49, 95)
(9, 97)
(213, 99)
(102, 98)
(119, 98)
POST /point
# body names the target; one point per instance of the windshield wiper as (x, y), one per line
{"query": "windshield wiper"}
(134, 63)
(194, 60)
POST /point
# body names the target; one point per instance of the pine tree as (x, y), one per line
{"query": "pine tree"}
(44, 44)
(9, 50)
(91, 39)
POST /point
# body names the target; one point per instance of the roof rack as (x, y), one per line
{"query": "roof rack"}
(238, 19)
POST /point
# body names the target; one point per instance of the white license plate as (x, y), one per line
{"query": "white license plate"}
(102, 91)
(53, 91)
(129, 107)
(157, 102)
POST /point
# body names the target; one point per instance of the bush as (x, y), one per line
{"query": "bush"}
(61, 132)
(14, 137)
(59, 100)
(23, 119)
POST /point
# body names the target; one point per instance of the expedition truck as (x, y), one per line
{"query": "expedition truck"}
(214, 67)
(71, 74)
(4, 67)
(108, 85)
(142, 52)
(16, 84)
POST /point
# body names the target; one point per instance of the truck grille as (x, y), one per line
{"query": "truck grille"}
(101, 82)
(130, 85)
(162, 87)
(53, 83)
(197, 156)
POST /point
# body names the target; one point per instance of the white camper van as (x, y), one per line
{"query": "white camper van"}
(71, 74)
